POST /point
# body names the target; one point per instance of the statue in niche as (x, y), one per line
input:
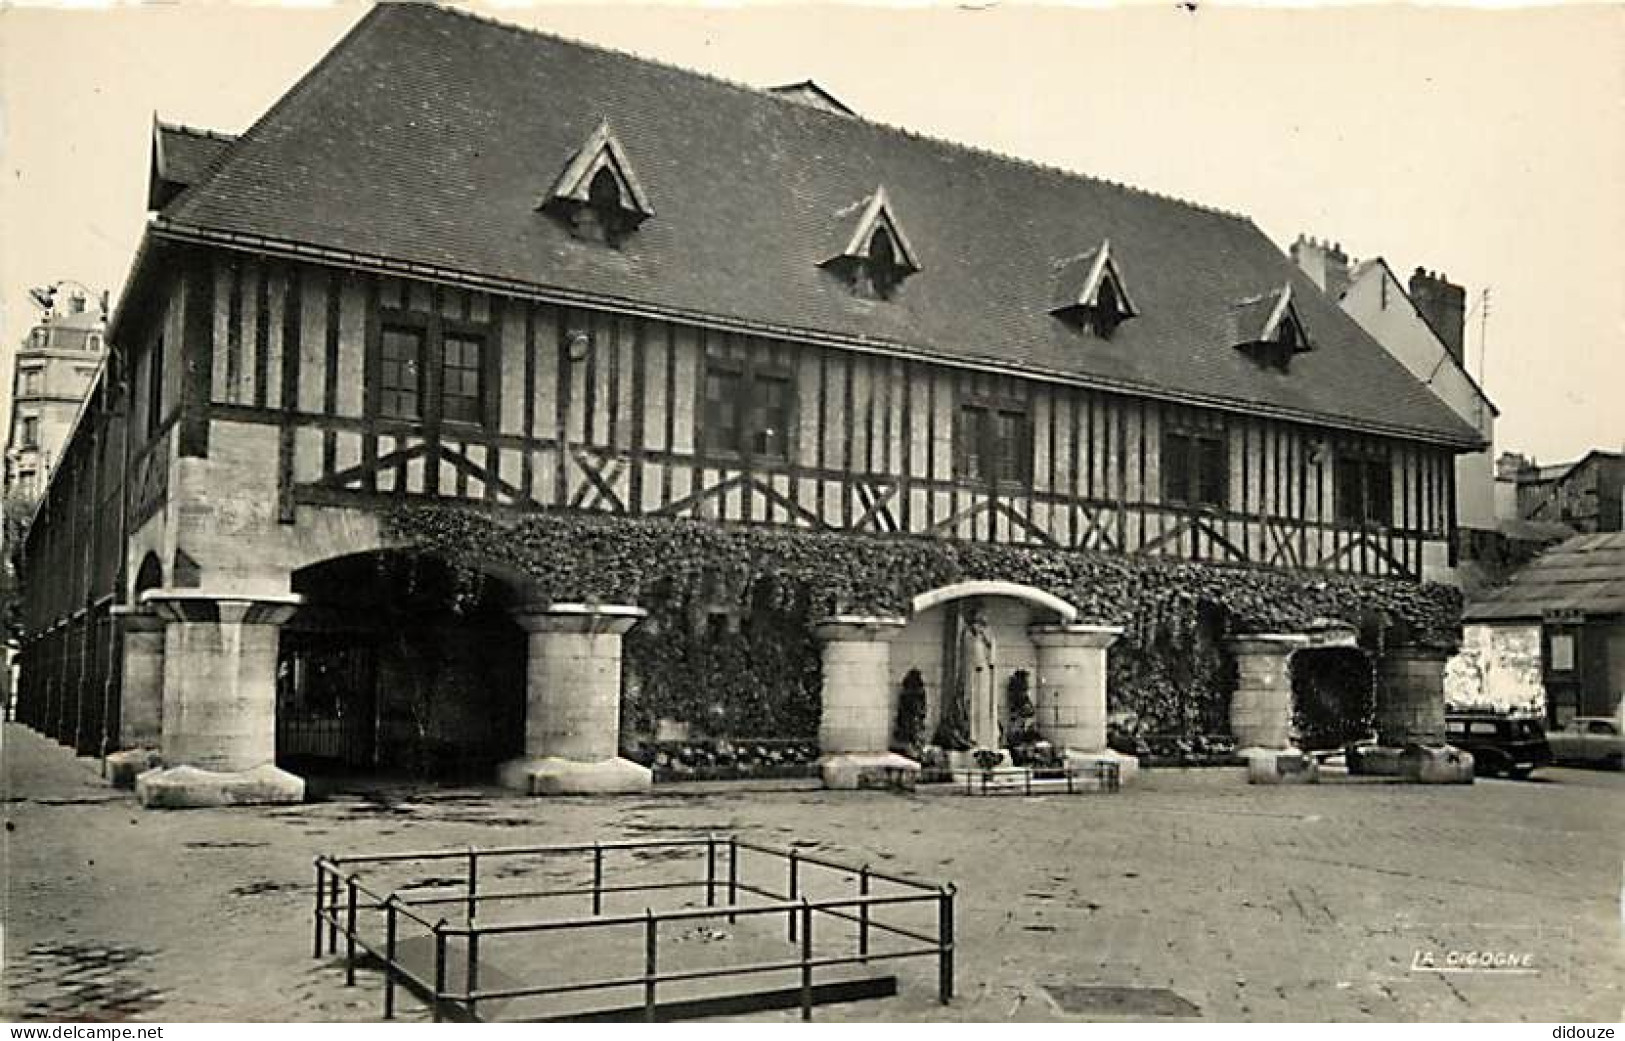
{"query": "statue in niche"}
(977, 689)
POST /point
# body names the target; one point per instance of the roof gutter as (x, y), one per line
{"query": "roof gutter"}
(287, 249)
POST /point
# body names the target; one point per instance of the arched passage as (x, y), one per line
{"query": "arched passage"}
(396, 662)
(934, 641)
(1333, 697)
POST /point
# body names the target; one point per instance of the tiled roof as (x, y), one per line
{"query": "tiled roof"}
(429, 136)
(181, 155)
(1586, 573)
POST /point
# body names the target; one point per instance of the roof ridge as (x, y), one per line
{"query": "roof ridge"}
(765, 92)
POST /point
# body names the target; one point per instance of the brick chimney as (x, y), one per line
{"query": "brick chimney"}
(1444, 305)
(1325, 263)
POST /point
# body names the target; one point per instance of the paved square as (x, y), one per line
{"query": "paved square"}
(1192, 895)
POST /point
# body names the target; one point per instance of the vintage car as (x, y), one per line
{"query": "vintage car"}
(1593, 740)
(1508, 745)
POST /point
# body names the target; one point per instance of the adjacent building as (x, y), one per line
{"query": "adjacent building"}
(1421, 322)
(462, 263)
(54, 367)
(1552, 640)
(1587, 494)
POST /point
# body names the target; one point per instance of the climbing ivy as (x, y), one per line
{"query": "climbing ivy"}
(729, 642)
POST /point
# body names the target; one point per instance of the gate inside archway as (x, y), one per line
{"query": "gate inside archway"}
(394, 664)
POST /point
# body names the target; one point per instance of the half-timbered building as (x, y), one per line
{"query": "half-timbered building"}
(463, 262)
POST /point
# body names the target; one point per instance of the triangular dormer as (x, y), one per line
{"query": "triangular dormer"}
(1269, 325)
(877, 255)
(1089, 292)
(598, 193)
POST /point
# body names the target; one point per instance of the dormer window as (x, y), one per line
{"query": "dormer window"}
(1089, 292)
(598, 195)
(1268, 327)
(877, 256)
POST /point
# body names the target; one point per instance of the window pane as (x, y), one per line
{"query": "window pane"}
(1012, 450)
(460, 398)
(400, 372)
(1213, 470)
(1379, 491)
(771, 416)
(968, 443)
(722, 420)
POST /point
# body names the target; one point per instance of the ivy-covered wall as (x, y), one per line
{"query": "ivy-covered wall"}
(729, 648)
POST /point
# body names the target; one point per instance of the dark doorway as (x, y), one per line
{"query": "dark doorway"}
(1334, 699)
(398, 664)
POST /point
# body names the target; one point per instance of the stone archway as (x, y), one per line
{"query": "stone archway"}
(1031, 631)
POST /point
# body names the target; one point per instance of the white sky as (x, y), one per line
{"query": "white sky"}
(1487, 144)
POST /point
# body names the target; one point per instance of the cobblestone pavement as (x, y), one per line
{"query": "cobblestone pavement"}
(1191, 895)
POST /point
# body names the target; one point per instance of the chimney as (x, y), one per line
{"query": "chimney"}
(1444, 305)
(1325, 263)
(1510, 465)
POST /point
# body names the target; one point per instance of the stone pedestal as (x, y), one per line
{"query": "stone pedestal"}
(219, 700)
(1261, 709)
(141, 698)
(854, 730)
(1071, 698)
(1410, 715)
(573, 703)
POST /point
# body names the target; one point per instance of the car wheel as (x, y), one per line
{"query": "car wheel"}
(1488, 763)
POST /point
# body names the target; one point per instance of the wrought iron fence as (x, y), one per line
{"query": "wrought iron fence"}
(371, 920)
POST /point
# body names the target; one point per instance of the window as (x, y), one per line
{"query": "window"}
(93, 342)
(1196, 467)
(460, 369)
(1365, 487)
(747, 408)
(400, 372)
(1599, 726)
(994, 443)
(31, 383)
(883, 270)
(155, 387)
(430, 369)
(30, 431)
(1562, 652)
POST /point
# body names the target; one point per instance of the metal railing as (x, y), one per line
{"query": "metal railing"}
(344, 904)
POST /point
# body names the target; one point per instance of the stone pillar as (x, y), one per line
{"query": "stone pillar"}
(1410, 714)
(1261, 709)
(573, 703)
(219, 700)
(1071, 699)
(854, 730)
(141, 695)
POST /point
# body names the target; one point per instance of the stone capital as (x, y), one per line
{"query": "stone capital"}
(858, 628)
(584, 619)
(1265, 644)
(1075, 635)
(137, 619)
(205, 606)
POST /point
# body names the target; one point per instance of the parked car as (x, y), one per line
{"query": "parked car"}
(1501, 745)
(1594, 740)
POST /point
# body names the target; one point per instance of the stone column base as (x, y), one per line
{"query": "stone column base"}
(124, 767)
(1128, 766)
(554, 775)
(186, 786)
(1436, 764)
(849, 771)
(1280, 766)
(1420, 764)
